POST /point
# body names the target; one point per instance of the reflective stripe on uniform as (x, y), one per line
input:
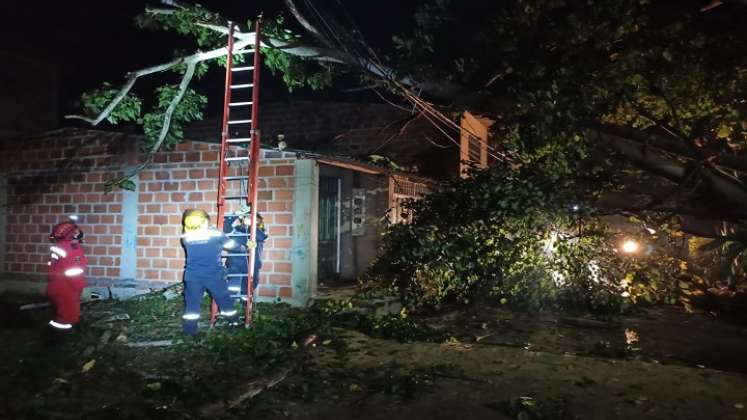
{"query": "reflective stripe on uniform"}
(60, 325)
(70, 272)
(191, 317)
(230, 244)
(234, 288)
(59, 251)
(200, 235)
(229, 313)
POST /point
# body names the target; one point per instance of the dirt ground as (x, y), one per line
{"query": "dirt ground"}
(491, 364)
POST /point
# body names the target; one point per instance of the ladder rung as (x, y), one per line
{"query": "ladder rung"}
(237, 275)
(240, 122)
(235, 197)
(236, 255)
(244, 68)
(233, 214)
(235, 178)
(239, 140)
(234, 235)
(235, 159)
(242, 86)
(246, 103)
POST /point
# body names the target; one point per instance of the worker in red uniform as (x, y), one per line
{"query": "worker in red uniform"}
(66, 275)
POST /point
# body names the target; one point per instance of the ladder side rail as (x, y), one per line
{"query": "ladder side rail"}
(223, 167)
(253, 173)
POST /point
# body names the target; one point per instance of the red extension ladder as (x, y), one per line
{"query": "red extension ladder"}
(239, 150)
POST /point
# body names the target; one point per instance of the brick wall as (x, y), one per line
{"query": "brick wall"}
(59, 174)
(63, 172)
(188, 178)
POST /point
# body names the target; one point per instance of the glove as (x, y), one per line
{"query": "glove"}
(251, 244)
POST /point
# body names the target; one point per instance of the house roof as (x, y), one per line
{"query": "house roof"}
(350, 129)
(356, 165)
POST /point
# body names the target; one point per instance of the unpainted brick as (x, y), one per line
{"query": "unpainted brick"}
(266, 291)
(280, 279)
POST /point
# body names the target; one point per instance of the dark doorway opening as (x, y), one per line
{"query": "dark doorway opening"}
(330, 220)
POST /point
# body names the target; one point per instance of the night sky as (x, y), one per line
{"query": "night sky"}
(93, 41)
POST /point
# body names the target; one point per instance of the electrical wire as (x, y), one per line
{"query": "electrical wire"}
(371, 60)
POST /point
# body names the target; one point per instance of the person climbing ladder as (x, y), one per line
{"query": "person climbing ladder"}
(203, 269)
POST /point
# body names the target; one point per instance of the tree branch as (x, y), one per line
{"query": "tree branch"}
(172, 106)
(652, 160)
(154, 11)
(306, 24)
(133, 76)
(457, 94)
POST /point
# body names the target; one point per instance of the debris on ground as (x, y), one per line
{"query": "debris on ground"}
(130, 360)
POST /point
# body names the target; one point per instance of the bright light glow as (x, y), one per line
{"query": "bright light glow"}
(74, 217)
(70, 272)
(594, 270)
(651, 231)
(191, 317)
(549, 246)
(575, 207)
(558, 278)
(630, 246)
(631, 337)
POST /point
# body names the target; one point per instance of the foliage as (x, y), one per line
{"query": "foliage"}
(514, 236)
(188, 21)
(128, 110)
(724, 261)
(560, 70)
(295, 72)
(189, 109)
(569, 64)
(276, 333)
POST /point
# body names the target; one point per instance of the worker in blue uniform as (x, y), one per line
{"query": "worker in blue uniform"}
(238, 226)
(237, 264)
(204, 269)
(258, 246)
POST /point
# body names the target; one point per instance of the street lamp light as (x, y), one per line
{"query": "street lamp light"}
(630, 246)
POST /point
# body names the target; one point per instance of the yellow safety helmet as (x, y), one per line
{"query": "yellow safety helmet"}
(195, 219)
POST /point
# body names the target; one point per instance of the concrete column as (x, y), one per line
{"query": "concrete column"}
(128, 258)
(305, 231)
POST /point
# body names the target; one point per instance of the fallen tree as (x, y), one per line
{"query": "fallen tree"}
(612, 96)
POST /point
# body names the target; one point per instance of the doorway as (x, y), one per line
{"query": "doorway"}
(330, 220)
